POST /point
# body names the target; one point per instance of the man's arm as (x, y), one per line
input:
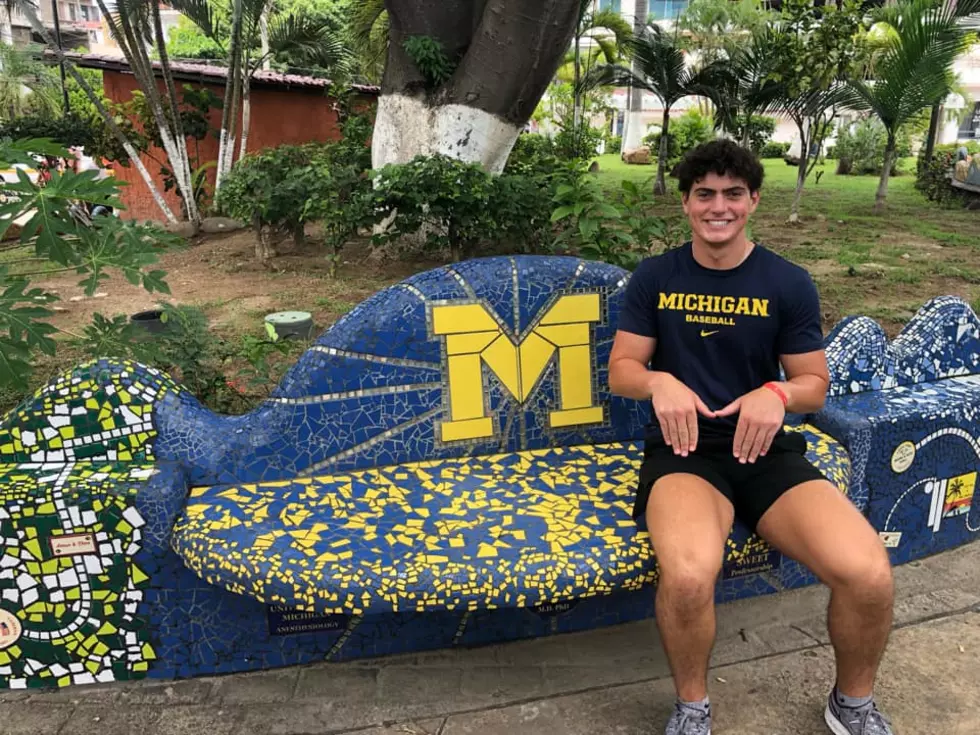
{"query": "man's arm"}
(628, 360)
(807, 381)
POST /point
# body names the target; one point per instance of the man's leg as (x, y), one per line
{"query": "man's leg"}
(820, 528)
(689, 521)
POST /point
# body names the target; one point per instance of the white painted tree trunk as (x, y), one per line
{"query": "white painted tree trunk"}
(264, 41)
(406, 127)
(246, 115)
(634, 130)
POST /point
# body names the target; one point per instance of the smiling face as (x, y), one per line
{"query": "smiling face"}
(718, 208)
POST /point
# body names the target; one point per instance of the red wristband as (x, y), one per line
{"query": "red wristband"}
(778, 391)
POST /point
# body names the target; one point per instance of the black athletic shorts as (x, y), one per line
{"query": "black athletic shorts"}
(751, 488)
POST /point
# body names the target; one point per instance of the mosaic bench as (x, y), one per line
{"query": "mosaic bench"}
(444, 467)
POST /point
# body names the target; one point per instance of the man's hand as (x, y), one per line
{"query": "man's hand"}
(760, 416)
(677, 407)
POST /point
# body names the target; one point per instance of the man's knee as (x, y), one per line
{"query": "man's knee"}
(689, 583)
(868, 578)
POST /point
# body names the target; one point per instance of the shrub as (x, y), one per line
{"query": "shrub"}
(686, 132)
(270, 189)
(577, 144)
(862, 150)
(533, 155)
(621, 231)
(772, 149)
(447, 199)
(760, 130)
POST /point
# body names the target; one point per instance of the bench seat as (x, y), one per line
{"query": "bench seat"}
(508, 530)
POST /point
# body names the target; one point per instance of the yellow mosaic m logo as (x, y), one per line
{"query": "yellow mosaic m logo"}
(474, 338)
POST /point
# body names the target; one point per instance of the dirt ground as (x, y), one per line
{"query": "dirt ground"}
(220, 274)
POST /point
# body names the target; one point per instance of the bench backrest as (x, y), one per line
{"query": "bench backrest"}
(941, 341)
(490, 355)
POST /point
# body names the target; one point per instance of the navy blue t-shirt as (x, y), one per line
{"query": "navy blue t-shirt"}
(721, 332)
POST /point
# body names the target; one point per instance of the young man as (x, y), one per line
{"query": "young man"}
(703, 331)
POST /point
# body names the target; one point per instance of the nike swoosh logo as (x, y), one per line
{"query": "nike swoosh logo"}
(708, 334)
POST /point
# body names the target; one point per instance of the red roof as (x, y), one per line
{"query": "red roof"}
(205, 72)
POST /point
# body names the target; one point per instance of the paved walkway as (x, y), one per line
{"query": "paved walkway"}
(771, 672)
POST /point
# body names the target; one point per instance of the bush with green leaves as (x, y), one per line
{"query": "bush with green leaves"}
(269, 189)
(772, 149)
(862, 150)
(619, 229)
(430, 59)
(446, 199)
(758, 129)
(522, 205)
(932, 177)
(686, 132)
(55, 234)
(577, 143)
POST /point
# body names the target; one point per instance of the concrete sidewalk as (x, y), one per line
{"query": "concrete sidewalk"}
(772, 670)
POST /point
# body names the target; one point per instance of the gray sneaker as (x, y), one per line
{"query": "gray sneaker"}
(864, 721)
(686, 721)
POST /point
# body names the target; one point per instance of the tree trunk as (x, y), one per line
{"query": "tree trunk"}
(933, 131)
(634, 117)
(229, 112)
(182, 166)
(264, 42)
(794, 214)
(660, 186)
(107, 118)
(886, 172)
(6, 25)
(577, 99)
(246, 115)
(507, 52)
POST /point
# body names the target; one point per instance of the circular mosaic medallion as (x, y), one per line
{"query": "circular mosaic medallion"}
(10, 629)
(903, 457)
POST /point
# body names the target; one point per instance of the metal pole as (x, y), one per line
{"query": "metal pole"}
(61, 63)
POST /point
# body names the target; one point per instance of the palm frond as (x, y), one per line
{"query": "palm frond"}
(368, 27)
(202, 13)
(310, 40)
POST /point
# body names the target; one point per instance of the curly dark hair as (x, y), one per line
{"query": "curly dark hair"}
(722, 157)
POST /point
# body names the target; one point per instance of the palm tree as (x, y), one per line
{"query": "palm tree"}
(137, 27)
(912, 69)
(30, 12)
(307, 38)
(609, 31)
(369, 38)
(659, 68)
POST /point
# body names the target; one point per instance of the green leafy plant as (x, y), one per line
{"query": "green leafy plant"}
(269, 189)
(446, 199)
(772, 149)
(593, 227)
(430, 59)
(755, 130)
(52, 231)
(862, 150)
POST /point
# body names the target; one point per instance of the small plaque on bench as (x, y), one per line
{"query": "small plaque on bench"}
(290, 621)
(73, 544)
(764, 561)
(554, 609)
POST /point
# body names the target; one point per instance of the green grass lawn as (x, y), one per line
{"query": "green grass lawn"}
(880, 265)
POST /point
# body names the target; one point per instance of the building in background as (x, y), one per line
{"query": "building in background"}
(961, 116)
